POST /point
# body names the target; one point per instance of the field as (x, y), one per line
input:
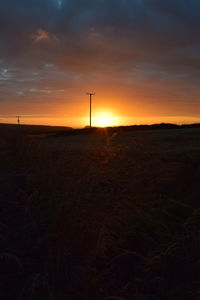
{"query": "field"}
(100, 215)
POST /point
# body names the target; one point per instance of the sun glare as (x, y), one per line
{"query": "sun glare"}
(104, 119)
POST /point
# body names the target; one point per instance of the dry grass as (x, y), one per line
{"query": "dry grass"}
(100, 216)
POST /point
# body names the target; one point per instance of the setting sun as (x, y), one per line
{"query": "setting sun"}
(105, 119)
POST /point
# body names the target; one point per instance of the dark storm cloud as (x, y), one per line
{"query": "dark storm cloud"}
(158, 39)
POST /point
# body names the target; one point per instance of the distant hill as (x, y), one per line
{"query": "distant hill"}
(35, 129)
(62, 130)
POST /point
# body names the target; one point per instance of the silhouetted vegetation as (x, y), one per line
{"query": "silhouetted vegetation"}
(62, 130)
(100, 214)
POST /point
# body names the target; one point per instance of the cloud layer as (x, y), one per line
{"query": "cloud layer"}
(148, 49)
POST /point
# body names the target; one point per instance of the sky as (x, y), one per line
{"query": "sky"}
(140, 57)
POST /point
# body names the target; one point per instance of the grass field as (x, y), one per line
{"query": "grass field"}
(107, 215)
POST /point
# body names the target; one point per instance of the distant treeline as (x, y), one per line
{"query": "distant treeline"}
(161, 126)
(62, 130)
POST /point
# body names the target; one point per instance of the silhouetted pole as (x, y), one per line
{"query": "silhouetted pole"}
(91, 94)
(18, 121)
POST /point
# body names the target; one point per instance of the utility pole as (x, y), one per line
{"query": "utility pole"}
(18, 120)
(91, 94)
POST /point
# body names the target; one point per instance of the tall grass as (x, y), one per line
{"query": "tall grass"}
(100, 216)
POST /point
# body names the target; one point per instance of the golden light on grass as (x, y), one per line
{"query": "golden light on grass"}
(105, 119)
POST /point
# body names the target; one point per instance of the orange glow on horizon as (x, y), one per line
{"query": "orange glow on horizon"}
(99, 119)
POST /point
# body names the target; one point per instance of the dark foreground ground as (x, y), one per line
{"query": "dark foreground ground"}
(107, 215)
